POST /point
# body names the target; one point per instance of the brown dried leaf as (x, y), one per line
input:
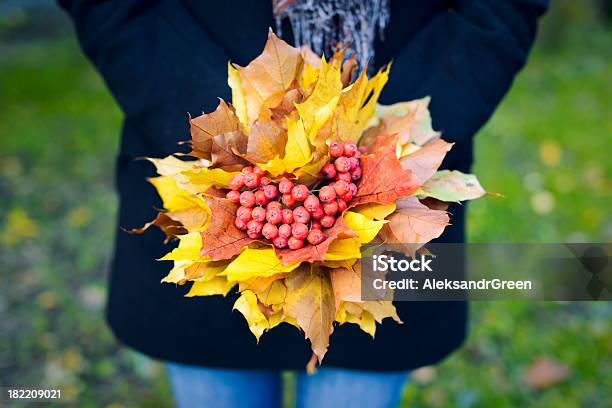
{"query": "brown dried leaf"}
(266, 79)
(413, 225)
(171, 228)
(310, 301)
(266, 140)
(227, 151)
(425, 161)
(205, 127)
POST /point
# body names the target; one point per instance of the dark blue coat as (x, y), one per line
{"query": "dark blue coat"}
(163, 59)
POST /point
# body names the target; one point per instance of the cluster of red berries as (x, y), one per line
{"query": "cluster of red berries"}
(290, 214)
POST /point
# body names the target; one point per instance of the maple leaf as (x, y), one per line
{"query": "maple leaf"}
(297, 151)
(320, 105)
(413, 225)
(266, 140)
(247, 305)
(425, 161)
(227, 150)
(346, 283)
(452, 186)
(215, 286)
(257, 262)
(311, 253)
(169, 227)
(265, 80)
(310, 301)
(205, 127)
(384, 180)
(411, 121)
(222, 240)
(365, 228)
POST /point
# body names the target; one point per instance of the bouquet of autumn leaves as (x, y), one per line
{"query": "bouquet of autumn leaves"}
(283, 186)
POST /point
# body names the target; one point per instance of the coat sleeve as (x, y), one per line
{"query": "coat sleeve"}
(465, 59)
(158, 62)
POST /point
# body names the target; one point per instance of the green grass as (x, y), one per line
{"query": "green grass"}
(546, 150)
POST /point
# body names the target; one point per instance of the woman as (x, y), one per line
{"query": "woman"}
(163, 59)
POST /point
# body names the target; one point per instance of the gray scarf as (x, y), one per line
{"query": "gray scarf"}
(321, 24)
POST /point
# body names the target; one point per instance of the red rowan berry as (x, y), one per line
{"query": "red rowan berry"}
(280, 242)
(342, 164)
(254, 226)
(295, 243)
(341, 204)
(356, 174)
(341, 187)
(287, 216)
(269, 231)
(236, 182)
(345, 176)
(327, 194)
(349, 148)
(285, 186)
(247, 169)
(240, 224)
(275, 205)
(258, 214)
(327, 221)
(315, 236)
(315, 225)
(336, 149)
(317, 213)
(259, 171)
(284, 231)
(301, 214)
(330, 208)
(299, 192)
(312, 202)
(260, 197)
(233, 196)
(353, 163)
(251, 180)
(244, 213)
(247, 198)
(274, 216)
(347, 197)
(288, 200)
(299, 230)
(271, 191)
(329, 171)
(353, 188)
(264, 181)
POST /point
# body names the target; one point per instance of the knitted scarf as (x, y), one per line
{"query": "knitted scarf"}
(321, 24)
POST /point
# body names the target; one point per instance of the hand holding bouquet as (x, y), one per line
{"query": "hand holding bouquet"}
(285, 184)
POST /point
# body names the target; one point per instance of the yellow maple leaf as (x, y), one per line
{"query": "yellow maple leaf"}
(238, 96)
(297, 151)
(319, 106)
(216, 286)
(188, 249)
(375, 211)
(209, 177)
(247, 305)
(256, 262)
(173, 197)
(347, 248)
(365, 228)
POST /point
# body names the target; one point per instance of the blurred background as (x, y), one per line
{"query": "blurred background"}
(546, 149)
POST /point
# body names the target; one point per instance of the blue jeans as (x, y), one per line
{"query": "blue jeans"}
(328, 387)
